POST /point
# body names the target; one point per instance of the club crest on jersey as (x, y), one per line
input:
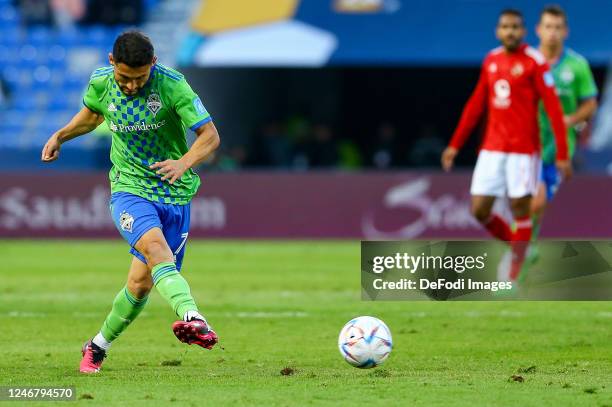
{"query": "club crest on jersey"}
(126, 221)
(549, 80)
(199, 106)
(493, 67)
(154, 103)
(517, 70)
(501, 87)
(567, 75)
(112, 107)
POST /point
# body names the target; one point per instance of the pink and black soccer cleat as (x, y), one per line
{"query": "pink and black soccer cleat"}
(195, 332)
(93, 356)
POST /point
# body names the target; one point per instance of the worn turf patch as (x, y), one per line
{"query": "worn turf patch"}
(287, 371)
(173, 362)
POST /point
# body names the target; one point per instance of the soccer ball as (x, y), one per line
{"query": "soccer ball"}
(365, 342)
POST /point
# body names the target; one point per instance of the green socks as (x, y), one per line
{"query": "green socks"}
(125, 309)
(535, 231)
(173, 288)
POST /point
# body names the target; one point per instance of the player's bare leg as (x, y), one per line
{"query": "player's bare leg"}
(154, 247)
(482, 210)
(538, 203)
(127, 305)
(521, 207)
(139, 281)
(482, 206)
(193, 328)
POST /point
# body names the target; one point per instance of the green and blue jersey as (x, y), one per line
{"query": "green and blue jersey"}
(574, 82)
(148, 127)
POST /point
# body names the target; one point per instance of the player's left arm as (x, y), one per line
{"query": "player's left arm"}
(586, 91)
(206, 143)
(545, 85)
(194, 115)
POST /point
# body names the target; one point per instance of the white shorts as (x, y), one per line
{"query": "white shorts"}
(506, 174)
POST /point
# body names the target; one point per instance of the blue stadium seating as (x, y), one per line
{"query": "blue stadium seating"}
(34, 64)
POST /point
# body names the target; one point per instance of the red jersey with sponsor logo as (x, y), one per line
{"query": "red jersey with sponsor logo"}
(508, 90)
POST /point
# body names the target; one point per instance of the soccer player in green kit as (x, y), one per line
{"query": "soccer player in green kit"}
(578, 95)
(148, 107)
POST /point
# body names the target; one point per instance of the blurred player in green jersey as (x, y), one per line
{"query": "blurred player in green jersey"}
(148, 107)
(578, 94)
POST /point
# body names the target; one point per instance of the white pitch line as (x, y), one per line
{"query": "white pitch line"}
(261, 314)
(25, 314)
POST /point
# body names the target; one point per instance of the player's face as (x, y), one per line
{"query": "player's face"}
(552, 30)
(129, 79)
(510, 31)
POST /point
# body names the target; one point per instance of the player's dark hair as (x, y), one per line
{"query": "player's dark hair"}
(134, 49)
(513, 12)
(554, 10)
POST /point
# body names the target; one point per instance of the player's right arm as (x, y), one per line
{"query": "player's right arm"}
(472, 113)
(545, 87)
(83, 122)
(586, 91)
(86, 120)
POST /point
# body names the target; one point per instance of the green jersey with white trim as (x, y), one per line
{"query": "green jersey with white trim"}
(148, 127)
(574, 82)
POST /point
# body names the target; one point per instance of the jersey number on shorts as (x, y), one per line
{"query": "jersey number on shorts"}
(178, 250)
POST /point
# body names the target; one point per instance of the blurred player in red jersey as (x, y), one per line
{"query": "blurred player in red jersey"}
(513, 79)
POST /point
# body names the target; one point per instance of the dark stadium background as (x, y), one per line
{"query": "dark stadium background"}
(361, 109)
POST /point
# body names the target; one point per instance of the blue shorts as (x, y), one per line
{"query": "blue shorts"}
(551, 179)
(134, 216)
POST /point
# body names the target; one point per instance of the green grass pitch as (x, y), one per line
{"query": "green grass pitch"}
(281, 305)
